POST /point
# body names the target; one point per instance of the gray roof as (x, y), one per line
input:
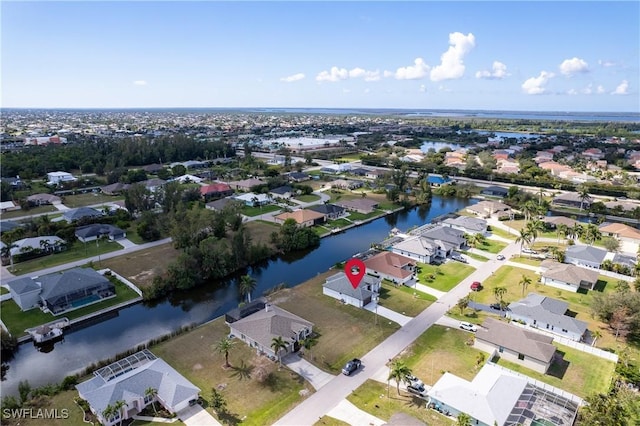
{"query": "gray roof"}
(560, 220)
(59, 284)
(572, 196)
(172, 387)
(547, 310)
(528, 343)
(418, 245)
(281, 190)
(340, 283)
(98, 229)
(445, 234)
(219, 204)
(27, 244)
(473, 223)
(81, 212)
(7, 225)
(49, 198)
(327, 208)
(571, 274)
(586, 253)
(625, 259)
(23, 285)
(262, 326)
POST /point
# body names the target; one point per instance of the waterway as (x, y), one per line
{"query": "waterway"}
(436, 145)
(139, 323)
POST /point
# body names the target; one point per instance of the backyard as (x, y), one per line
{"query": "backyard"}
(443, 277)
(257, 211)
(309, 198)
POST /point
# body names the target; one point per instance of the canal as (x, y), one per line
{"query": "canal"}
(139, 323)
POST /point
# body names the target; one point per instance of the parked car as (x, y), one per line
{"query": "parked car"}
(458, 258)
(500, 257)
(497, 307)
(417, 389)
(529, 251)
(468, 326)
(476, 286)
(413, 380)
(351, 366)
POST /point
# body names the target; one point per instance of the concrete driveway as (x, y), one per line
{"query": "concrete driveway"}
(316, 377)
(197, 416)
(349, 413)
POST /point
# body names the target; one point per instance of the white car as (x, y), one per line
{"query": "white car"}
(468, 326)
(500, 257)
(529, 251)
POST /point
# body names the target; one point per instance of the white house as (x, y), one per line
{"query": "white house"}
(567, 276)
(55, 178)
(469, 225)
(339, 287)
(417, 248)
(252, 199)
(586, 256)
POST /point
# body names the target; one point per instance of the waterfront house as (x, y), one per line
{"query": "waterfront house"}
(621, 232)
(552, 222)
(303, 217)
(515, 344)
(567, 276)
(446, 238)
(391, 266)
(466, 224)
(258, 327)
(572, 199)
(495, 191)
(547, 314)
(490, 209)
(437, 180)
(586, 256)
(330, 211)
(128, 380)
(339, 287)
(360, 205)
(417, 248)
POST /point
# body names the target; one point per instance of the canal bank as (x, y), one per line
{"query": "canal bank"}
(141, 322)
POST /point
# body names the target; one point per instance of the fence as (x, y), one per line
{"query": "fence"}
(123, 280)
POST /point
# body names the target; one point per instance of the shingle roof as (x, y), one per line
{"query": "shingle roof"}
(340, 283)
(547, 310)
(264, 325)
(571, 274)
(281, 190)
(418, 245)
(97, 229)
(587, 253)
(300, 216)
(621, 229)
(65, 282)
(213, 188)
(23, 285)
(81, 212)
(446, 234)
(528, 343)
(28, 244)
(327, 209)
(467, 222)
(390, 264)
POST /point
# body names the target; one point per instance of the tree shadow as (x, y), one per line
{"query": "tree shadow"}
(229, 418)
(243, 371)
(273, 382)
(559, 366)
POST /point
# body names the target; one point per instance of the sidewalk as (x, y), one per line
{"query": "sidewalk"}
(426, 289)
(388, 313)
(316, 377)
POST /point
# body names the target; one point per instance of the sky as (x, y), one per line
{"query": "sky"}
(526, 56)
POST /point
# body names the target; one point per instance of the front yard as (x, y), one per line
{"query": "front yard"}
(403, 299)
(443, 277)
(492, 246)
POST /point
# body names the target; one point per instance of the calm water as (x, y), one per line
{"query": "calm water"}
(438, 146)
(139, 323)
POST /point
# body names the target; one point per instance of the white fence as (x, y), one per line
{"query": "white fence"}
(123, 280)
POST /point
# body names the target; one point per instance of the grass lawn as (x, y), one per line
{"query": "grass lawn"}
(3, 290)
(445, 276)
(257, 211)
(579, 373)
(76, 251)
(502, 233)
(388, 205)
(339, 195)
(26, 213)
(372, 398)
(308, 198)
(492, 246)
(345, 331)
(340, 223)
(524, 259)
(59, 402)
(320, 230)
(403, 299)
(360, 216)
(260, 231)
(260, 402)
(329, 421)
(133, 236)
(17, 321)
(475, 256)
(141, 266)
(88, 199)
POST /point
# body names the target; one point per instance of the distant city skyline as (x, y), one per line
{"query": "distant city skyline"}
(522, 56)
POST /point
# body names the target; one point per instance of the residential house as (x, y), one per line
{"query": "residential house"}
(587, 256)
(593, 154)
(360, 205)
(220, 204)
(56, 178)
(187, 179)
(246, 184)
(572, 199)
(498, 397)
(330, 211)
(128, 380)
(253, 200)
(153, 184)
(7, 225)
(336, 168)
(490, 209)
(417, 248)
(628, 260)
(437, 180)
(567, 276)
(621, 231)
(98, 230)
(339, 287)
(376, 173)
(115, 188)
(153, 168)
(7, 206)
(547, 314)
(39, 245)
(466, 224)
(260, 327)
(619, 206)
(515, 344)
(303, 217)
(495, 191)
(450, 238)
(553, 167)
(43, 199)
(359, 171)
(14, 182)
(81, 213)
(284, 192)
(215, 191)
(346, 184)
(391, 266)
(298, 176)
(552, 222)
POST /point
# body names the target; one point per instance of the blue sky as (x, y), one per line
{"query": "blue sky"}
(547, 56)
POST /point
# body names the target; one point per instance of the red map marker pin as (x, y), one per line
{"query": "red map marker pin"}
(354, 269)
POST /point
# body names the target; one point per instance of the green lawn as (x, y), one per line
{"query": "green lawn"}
(492, 246)
(257, 211)
(3, 290)
(89, 199)
(340, 223)
(360, 216)
(525, 260)
(443, 277)
(502, 233)
(17, 321)
(475, 256)
(403, 299)
(320, 230)
(76, 251)
(336, 195)
(387, 205)
(61, 401)
(26, 213)
(383, 402)
(579, 373)
(308, 198)
(329, 421)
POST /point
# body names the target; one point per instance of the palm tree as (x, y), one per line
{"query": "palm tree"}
(152, 393)
(278, 343)
(583, 194)
(523, 238)
(533, 228)
(246, 286)
(399, 372)
(563, 230)
(117, 408)
(6, 252)
(524, 282)
(499, 293)
(528, 209)
(224, 346)
(591, 234)
(595, 334)
(577, 231)
(309, 342)
(462, 304)
(464, 419)
(108, 413)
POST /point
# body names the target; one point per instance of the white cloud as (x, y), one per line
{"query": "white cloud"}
(600, 89)
(295, 77)
(452, 66)
(423, 88)
(337, 74)
(588, 90)
(346, 91)
(622, 89)
(574, 66)
(388, 74)
(140, 82)
(572, 92)
(606, 64)
(498, 72)
(412, 72)
(535, 85)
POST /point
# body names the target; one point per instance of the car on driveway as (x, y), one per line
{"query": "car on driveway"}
(417, 389)
(459, 258)
(529, 251)
(497, 307)
(351, 366)
(500, 257)
(468, 326)
(476, 286)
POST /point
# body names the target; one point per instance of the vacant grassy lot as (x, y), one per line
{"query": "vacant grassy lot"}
(17, 321)
(492, 246)
(354, 216)
(502, 233)
(75, 251)
(257, 211)
(141, 266)
(61, 401)
(579, 373)
(403, 299)
(261, 231)
(308, 198)
(525, 260)
(89, 199)
(257, 403)
(443, 277)
(340, 223)
(345, 331)
(26, 213)
(372, 398)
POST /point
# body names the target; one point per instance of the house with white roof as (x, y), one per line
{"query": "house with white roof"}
(252, 199)
(55, 178)
(469, 225)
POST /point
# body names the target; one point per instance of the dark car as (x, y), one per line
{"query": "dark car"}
(351, 366)
(495, 306)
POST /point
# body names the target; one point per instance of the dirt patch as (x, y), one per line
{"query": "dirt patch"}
(197, 367)
(142, 266)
